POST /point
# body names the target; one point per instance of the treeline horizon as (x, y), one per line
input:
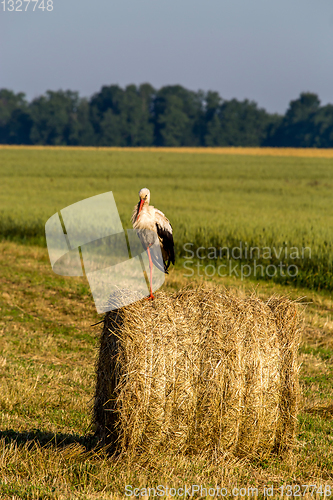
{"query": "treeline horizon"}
(170, 116)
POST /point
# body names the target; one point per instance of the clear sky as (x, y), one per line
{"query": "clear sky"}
(264, 50)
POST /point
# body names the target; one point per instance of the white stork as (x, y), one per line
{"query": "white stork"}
(149, 222)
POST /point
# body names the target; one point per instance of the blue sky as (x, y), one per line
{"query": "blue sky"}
(264, 50)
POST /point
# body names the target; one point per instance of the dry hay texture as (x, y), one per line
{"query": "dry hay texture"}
(199, 371)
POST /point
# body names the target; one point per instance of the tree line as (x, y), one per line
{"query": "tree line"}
(170, 116)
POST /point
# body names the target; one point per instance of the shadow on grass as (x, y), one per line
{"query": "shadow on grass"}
(321, 411)
(49, 439)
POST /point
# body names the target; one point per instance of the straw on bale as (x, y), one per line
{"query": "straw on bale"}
(200, 370)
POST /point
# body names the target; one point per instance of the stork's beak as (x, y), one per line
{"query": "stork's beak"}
(140, 207)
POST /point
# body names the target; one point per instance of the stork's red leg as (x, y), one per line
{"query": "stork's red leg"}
(151, 296)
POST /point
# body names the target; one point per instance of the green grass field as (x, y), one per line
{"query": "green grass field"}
(48, 348)
(212, 200)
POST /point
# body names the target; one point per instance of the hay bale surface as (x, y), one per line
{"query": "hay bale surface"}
(198, 371)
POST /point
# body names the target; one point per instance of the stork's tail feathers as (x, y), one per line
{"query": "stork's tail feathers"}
(166, 266)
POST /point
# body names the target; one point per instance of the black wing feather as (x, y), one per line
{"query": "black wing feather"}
(168, 246)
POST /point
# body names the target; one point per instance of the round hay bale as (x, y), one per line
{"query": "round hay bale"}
(200, 370)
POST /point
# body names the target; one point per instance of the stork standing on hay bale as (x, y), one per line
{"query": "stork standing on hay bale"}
(149, 220)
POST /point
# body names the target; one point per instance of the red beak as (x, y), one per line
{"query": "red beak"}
(140, 207)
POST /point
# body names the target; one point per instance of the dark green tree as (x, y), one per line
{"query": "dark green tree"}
(173, 123)
(146, 126)
(108, 98)
(53, 115)
(212, 122)
(297, 128)
(137, 123)
(171, 116)
(81, 131)
(243, 123)
(123, 117)
(323, 125)
(15, 120)
(177, 116)
(111, 129)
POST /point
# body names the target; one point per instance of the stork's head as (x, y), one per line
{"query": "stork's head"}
(144, 195)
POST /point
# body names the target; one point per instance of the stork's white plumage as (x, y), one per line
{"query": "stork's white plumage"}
(150, 221)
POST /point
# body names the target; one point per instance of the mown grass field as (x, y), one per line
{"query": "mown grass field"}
(48, 348)
(48, 351)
